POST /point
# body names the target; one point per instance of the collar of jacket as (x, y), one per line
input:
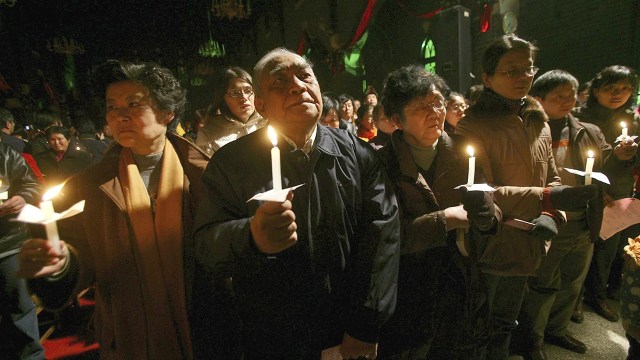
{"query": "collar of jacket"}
(325, 142)
(490, 105)
(406, 164)
(105, 175)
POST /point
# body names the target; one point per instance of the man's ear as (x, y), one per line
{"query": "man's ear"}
(258, 102)
(395, 119)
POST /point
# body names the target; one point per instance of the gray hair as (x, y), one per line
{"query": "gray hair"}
(267, 59)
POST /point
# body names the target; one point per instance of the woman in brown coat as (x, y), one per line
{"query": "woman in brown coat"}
(133, 241)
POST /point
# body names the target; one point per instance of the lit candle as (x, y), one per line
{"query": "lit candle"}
(275, 160)
(589, 168)
(472, 166)
(625, 131)
(47, 209)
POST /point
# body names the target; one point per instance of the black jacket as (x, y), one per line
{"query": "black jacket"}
(22, 182)
(72, 162)
(341, 275)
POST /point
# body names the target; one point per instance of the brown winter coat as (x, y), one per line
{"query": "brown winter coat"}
(101, 238)
(514, 149)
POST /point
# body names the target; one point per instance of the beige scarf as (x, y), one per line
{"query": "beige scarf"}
(158, 252)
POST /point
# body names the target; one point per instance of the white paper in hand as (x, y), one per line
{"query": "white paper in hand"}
(33, 215)
(274, 195)
(594, 175)
(477, 187)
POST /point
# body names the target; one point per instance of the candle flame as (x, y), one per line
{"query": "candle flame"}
(53, 192)
(470, 150)
(623, 124)
(272, 135)
(590, 153)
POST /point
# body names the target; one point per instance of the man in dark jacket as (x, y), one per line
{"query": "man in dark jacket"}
(19, 324)
(7, 125)
(62, 159)
(320, 268)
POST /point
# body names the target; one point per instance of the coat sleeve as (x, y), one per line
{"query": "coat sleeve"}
(22, 180)
(375, 269)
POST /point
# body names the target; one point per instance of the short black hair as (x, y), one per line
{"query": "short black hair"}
(550, 80)
(164, 88)
(500, 46)
(222, 84)
(407, 82)
(58, 130)
(329, 103)
(6, 117)
(344, 98)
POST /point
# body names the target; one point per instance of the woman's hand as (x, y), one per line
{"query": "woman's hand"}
(38, 258)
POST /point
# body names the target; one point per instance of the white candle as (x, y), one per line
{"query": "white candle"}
(47, 209)
(625, 131)
(275, 160)
(472, 166)
(589, 168)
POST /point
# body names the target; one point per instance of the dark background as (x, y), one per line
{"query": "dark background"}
(581, 36)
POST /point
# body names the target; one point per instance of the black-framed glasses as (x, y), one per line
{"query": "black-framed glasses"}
(237, 93)
(516, 73)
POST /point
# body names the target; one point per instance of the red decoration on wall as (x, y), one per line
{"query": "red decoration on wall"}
(485, 19)
(431, 14)
(364, 22)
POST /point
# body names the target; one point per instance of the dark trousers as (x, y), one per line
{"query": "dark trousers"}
(19, 334)
(504, 295)
(604, 252)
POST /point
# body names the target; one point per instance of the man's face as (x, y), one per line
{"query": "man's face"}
(559, 101)
(58, 142)
(290, 95)
(371, 99)
(346, 110)
(10, 127)
(423, 119)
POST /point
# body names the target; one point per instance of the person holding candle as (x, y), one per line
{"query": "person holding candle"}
(319, 269)
(553, 292)
(611, 102)
(19, 325)
(440, 312)
(232, 114)
(133, 240)
(512, 140)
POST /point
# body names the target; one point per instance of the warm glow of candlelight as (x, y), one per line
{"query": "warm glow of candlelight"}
(590, 153)
(625, 132)
(470, 150)
(53, 192)
(272, 135)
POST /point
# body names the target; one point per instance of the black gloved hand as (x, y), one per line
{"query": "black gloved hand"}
(545, 227)
(572, 198)
(480, 208)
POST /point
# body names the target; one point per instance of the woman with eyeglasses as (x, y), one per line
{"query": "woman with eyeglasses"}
(232, 114)
(456, 105)
(512, 141)
(611, 102)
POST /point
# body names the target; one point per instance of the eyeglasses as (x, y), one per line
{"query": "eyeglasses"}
(238, 93)
(516, 73)
(423, 108)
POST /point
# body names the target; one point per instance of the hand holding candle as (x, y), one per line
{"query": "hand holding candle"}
(47, 209)
(275, 160)
(472, 166)
(589, 168)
